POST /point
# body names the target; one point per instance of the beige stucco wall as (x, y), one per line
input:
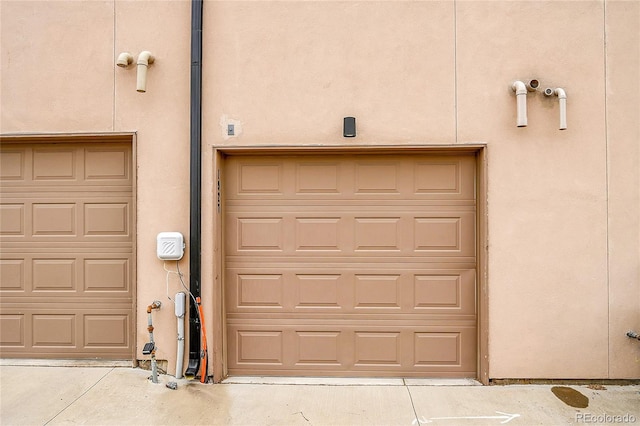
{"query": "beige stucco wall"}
(563, 206)
(623, 156)
(547, 188)
(59, 75)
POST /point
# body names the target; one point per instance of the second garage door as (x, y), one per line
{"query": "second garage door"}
(350, 265)
(67, 239)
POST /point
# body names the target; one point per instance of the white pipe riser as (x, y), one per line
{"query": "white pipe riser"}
(180, 310)
(180, 354)
(562, 101)
(521, 102)
(145, 58)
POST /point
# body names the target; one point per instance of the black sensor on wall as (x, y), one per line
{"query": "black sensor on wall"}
(349, 128)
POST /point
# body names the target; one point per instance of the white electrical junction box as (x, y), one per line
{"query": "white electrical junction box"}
(170, 246)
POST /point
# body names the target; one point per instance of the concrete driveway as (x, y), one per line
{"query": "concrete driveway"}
(42, 395)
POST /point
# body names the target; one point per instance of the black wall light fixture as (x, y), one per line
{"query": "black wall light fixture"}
(349, 128)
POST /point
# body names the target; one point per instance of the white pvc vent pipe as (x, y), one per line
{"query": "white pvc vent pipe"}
(124, 60)
(145, 58)
(521, 88)
(562, 100)
(521, 102)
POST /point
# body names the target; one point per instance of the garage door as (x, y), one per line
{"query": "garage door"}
(67, 263)
(350, 265)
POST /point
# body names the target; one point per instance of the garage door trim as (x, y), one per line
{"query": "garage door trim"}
(97, 138)
(479, 150)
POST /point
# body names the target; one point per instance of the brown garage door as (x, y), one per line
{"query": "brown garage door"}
(351, 265)
(67, 264)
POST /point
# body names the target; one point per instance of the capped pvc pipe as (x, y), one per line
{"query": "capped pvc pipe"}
(521, 102)
(562, 100)
(145, 58)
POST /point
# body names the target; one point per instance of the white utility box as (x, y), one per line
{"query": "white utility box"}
(170, 246)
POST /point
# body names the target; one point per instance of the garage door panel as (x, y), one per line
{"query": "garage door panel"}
(259, 233)
(55, 163)
(433, 177)
(12, 328)
(259, 347)
(53, 330)
(416, 292)
(107, 164)
(439, 233)
(377, 291)
(351, 265)
(317, 234)
(12, 164)
(66, 275)
(377, 177)
(377, 233)
(55, 275)
(106, 219)
(50, 328)
(66, 220)
(107, 330)
(318, 348)
(54, 219)
(317, 291)
(12, 219)
(442, 291)
(375, 348)
(12, 275)
(352, 349)
(66, 269)
(316, 178)
(73, 165)
(359, 176)
(72, 331)
(107, 275)
(258, 291)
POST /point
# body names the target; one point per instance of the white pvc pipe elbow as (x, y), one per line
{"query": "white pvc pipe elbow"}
(145, 58)
(521, 102)
(124, 60)
(562, 100)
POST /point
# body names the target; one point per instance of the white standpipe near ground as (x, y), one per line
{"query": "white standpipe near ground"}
(180, 303)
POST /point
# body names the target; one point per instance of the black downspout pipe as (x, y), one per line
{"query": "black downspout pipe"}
(195, 186)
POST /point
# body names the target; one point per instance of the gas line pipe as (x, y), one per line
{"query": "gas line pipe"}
(150, 348)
